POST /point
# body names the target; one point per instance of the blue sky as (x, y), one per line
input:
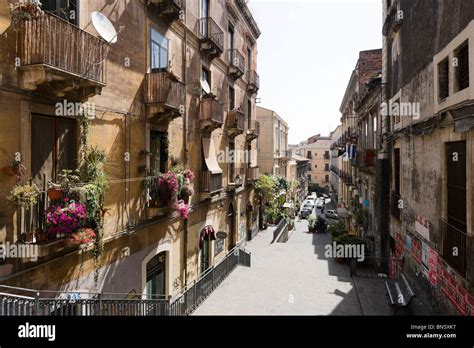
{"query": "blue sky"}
(306, 54)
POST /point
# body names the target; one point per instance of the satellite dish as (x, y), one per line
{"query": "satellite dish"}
(104, 27)
(205, 86)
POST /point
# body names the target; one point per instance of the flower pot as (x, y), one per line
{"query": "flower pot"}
(55, 194)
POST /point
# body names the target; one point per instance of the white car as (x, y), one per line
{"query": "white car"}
(311, 199)
(332, 214)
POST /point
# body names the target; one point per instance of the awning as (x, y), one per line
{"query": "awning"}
(210, 156)
(207, 232)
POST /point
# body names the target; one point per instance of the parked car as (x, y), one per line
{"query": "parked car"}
(332, 214)
(307, 210)
(311, 199)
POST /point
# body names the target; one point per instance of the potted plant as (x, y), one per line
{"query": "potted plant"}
(291, 224)
(25, 11)
(320, 225)
(23, 195)
(82, 236)
(65, 218)
(54, 191)
(311, 223)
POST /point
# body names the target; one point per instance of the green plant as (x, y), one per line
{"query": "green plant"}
(311, 222)
(320, 225)
(337, 229)
(69, 178)
(23, 195)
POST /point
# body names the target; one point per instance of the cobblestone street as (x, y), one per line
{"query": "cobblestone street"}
(294, 278)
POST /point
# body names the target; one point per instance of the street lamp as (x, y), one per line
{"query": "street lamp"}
(238, 180)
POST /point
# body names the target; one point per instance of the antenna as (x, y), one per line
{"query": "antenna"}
(104, 27)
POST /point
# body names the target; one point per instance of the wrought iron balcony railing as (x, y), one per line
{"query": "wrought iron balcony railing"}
(70, 56)
(164, 94)
(171, 9)
(236, 63)
(212, 114)
(253, 173)
(253, 131)
(253, 81)
(235, 122)
(393, 19)
(211, 37)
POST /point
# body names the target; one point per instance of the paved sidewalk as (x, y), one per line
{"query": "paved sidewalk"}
(291, 278)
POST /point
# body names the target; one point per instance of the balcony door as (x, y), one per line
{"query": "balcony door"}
(53, 147)
(231, 227)
(159, 48)
(65, 9)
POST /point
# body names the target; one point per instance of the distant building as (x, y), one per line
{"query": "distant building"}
(317, 150)
(273, 149)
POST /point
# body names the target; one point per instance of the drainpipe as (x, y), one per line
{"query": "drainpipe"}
(185, 143)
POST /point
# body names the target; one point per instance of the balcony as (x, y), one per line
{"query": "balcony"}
(211, 37)
(392, 21)
(253, 81)
(235, 122)
(62, 57)
(452, 237)
(365, 158)
(394, 209)
(164, 95)
(212, 114)
(236, 177)
(253, 173)
(171, 10)
(210, 183)
(253, 131)
(236, 63)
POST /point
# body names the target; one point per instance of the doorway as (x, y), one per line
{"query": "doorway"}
(156, 277)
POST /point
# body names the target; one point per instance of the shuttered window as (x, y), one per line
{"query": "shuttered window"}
(53, 147)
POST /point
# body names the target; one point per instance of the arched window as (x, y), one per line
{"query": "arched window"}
(156, 276)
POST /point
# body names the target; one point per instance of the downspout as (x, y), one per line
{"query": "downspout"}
(185, 142)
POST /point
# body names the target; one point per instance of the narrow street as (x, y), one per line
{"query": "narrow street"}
(294, 278)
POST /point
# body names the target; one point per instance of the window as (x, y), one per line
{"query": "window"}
(249, 59)
(396, 169)
(206, 76)
(462, 69)
(375, 131)
(231, 167)
(443, 79)
(155, 276)
(326, 178)
(231, 98)
(326, 167)
(230, 37)
(249, 113)
(53, 147)
(309, 155)
(159, 51)
(65, 9)
(159, 152)
(309, 177)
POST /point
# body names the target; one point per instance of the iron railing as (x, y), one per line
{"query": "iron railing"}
(253, 81)
(375, 267)
(161, 89)
(252, 173)
(210, 32)
(253, 130)
(28, 302)
(453, 238)
(210, 182)
(51, 41)
(236, 121)
(234, 173)
(236, 62)
(212, 113)
(168, 7)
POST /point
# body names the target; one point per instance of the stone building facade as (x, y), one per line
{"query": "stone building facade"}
(273, 152)
(177, 87)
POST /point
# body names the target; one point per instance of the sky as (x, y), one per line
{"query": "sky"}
(306, 54)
